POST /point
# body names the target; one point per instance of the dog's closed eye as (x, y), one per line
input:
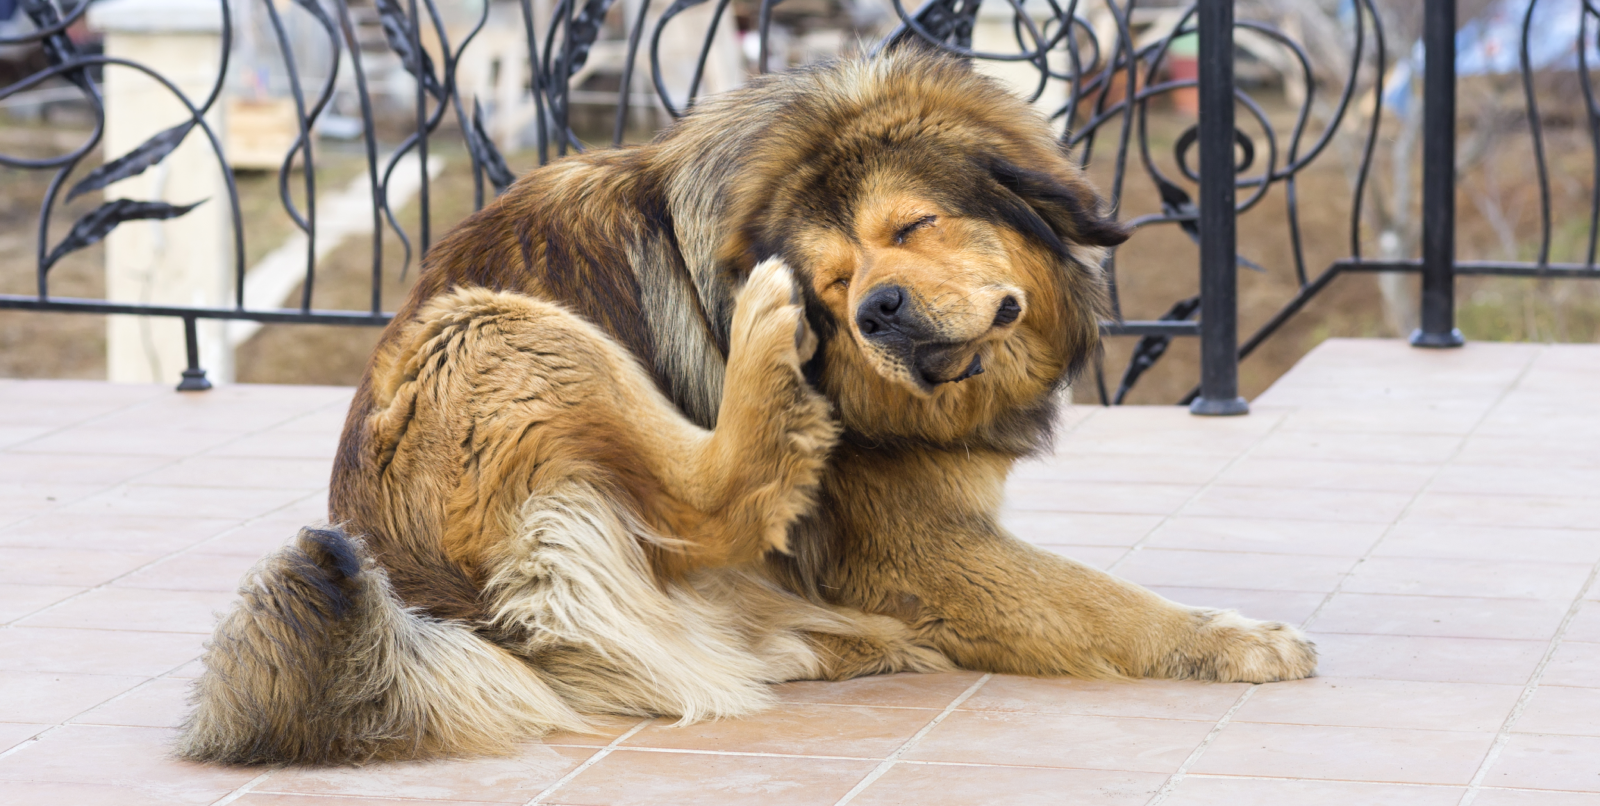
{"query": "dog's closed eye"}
(900, 235)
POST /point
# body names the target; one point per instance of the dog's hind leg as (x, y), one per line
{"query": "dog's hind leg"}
(846, 642)
(489, 402)
(867, 644)
(510, 395)
(560, 479)
(574, 593)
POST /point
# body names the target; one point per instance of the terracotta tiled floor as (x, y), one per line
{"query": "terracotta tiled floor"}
(1432, 518)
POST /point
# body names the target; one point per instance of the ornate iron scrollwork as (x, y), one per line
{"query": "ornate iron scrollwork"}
(1108, 76)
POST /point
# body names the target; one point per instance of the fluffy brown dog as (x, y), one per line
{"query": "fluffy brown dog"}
(664, 424)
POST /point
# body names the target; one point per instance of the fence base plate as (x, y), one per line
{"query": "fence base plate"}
(194, 380)
(1218, 408)
(1437, 341)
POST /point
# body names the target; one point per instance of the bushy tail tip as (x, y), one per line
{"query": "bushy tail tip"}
(319, 662)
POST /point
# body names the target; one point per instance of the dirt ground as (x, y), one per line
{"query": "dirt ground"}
(1156, 268)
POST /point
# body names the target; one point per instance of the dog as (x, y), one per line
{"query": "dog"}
(665, 424)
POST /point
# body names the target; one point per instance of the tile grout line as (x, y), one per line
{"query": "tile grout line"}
(883, 767)
(166, 675)
(163, 558)
(244, 789)
(35, 738)
(1094, 409)
(155, 396)
(124, 483)
(173, 460)
(63, 429)
(689, 751)
(814, 757)
(114, 698)
(1421, 491)
(906, 747)
(1138, 545)
(1232, 777)
(1171, 784)
(138, 404)
(1503, 736)
(587, 763)
(12, 624)
(398, 800)
(30, 741)
(984, 764)
(240, 524)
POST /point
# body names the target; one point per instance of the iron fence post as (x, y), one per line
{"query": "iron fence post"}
(1438, 179)
(194, 378)
(1219, 278)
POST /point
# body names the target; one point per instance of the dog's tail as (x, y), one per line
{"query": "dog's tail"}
(321, 663)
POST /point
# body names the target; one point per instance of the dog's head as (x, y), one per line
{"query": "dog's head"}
(949, 250)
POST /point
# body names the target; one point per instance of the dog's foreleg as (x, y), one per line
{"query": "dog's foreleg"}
(1030, 611)
(919, 541)
(525, 388)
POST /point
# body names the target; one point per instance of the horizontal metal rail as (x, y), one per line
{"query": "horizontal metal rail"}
(285, 316)
(1149, 328)
(288, 316)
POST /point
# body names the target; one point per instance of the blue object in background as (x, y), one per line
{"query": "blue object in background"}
(1492, 43)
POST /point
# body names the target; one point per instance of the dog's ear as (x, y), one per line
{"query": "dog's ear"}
(1055, 213)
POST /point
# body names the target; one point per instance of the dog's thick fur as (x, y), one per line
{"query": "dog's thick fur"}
(664, 424)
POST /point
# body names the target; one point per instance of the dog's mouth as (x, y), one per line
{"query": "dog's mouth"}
(938, 364)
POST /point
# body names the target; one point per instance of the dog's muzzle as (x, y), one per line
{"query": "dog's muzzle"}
(889, 319)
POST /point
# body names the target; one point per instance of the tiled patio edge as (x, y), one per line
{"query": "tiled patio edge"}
(1504, 734)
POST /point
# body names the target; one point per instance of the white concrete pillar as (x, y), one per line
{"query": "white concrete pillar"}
(995, 32)
(185, 260)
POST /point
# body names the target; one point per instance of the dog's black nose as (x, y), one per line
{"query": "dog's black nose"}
(879, 313)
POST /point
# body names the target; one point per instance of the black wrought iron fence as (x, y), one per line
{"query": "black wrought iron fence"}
(1107, 73)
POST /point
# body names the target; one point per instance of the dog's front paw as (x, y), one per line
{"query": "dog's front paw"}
(769, 319)
(1229, 648)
